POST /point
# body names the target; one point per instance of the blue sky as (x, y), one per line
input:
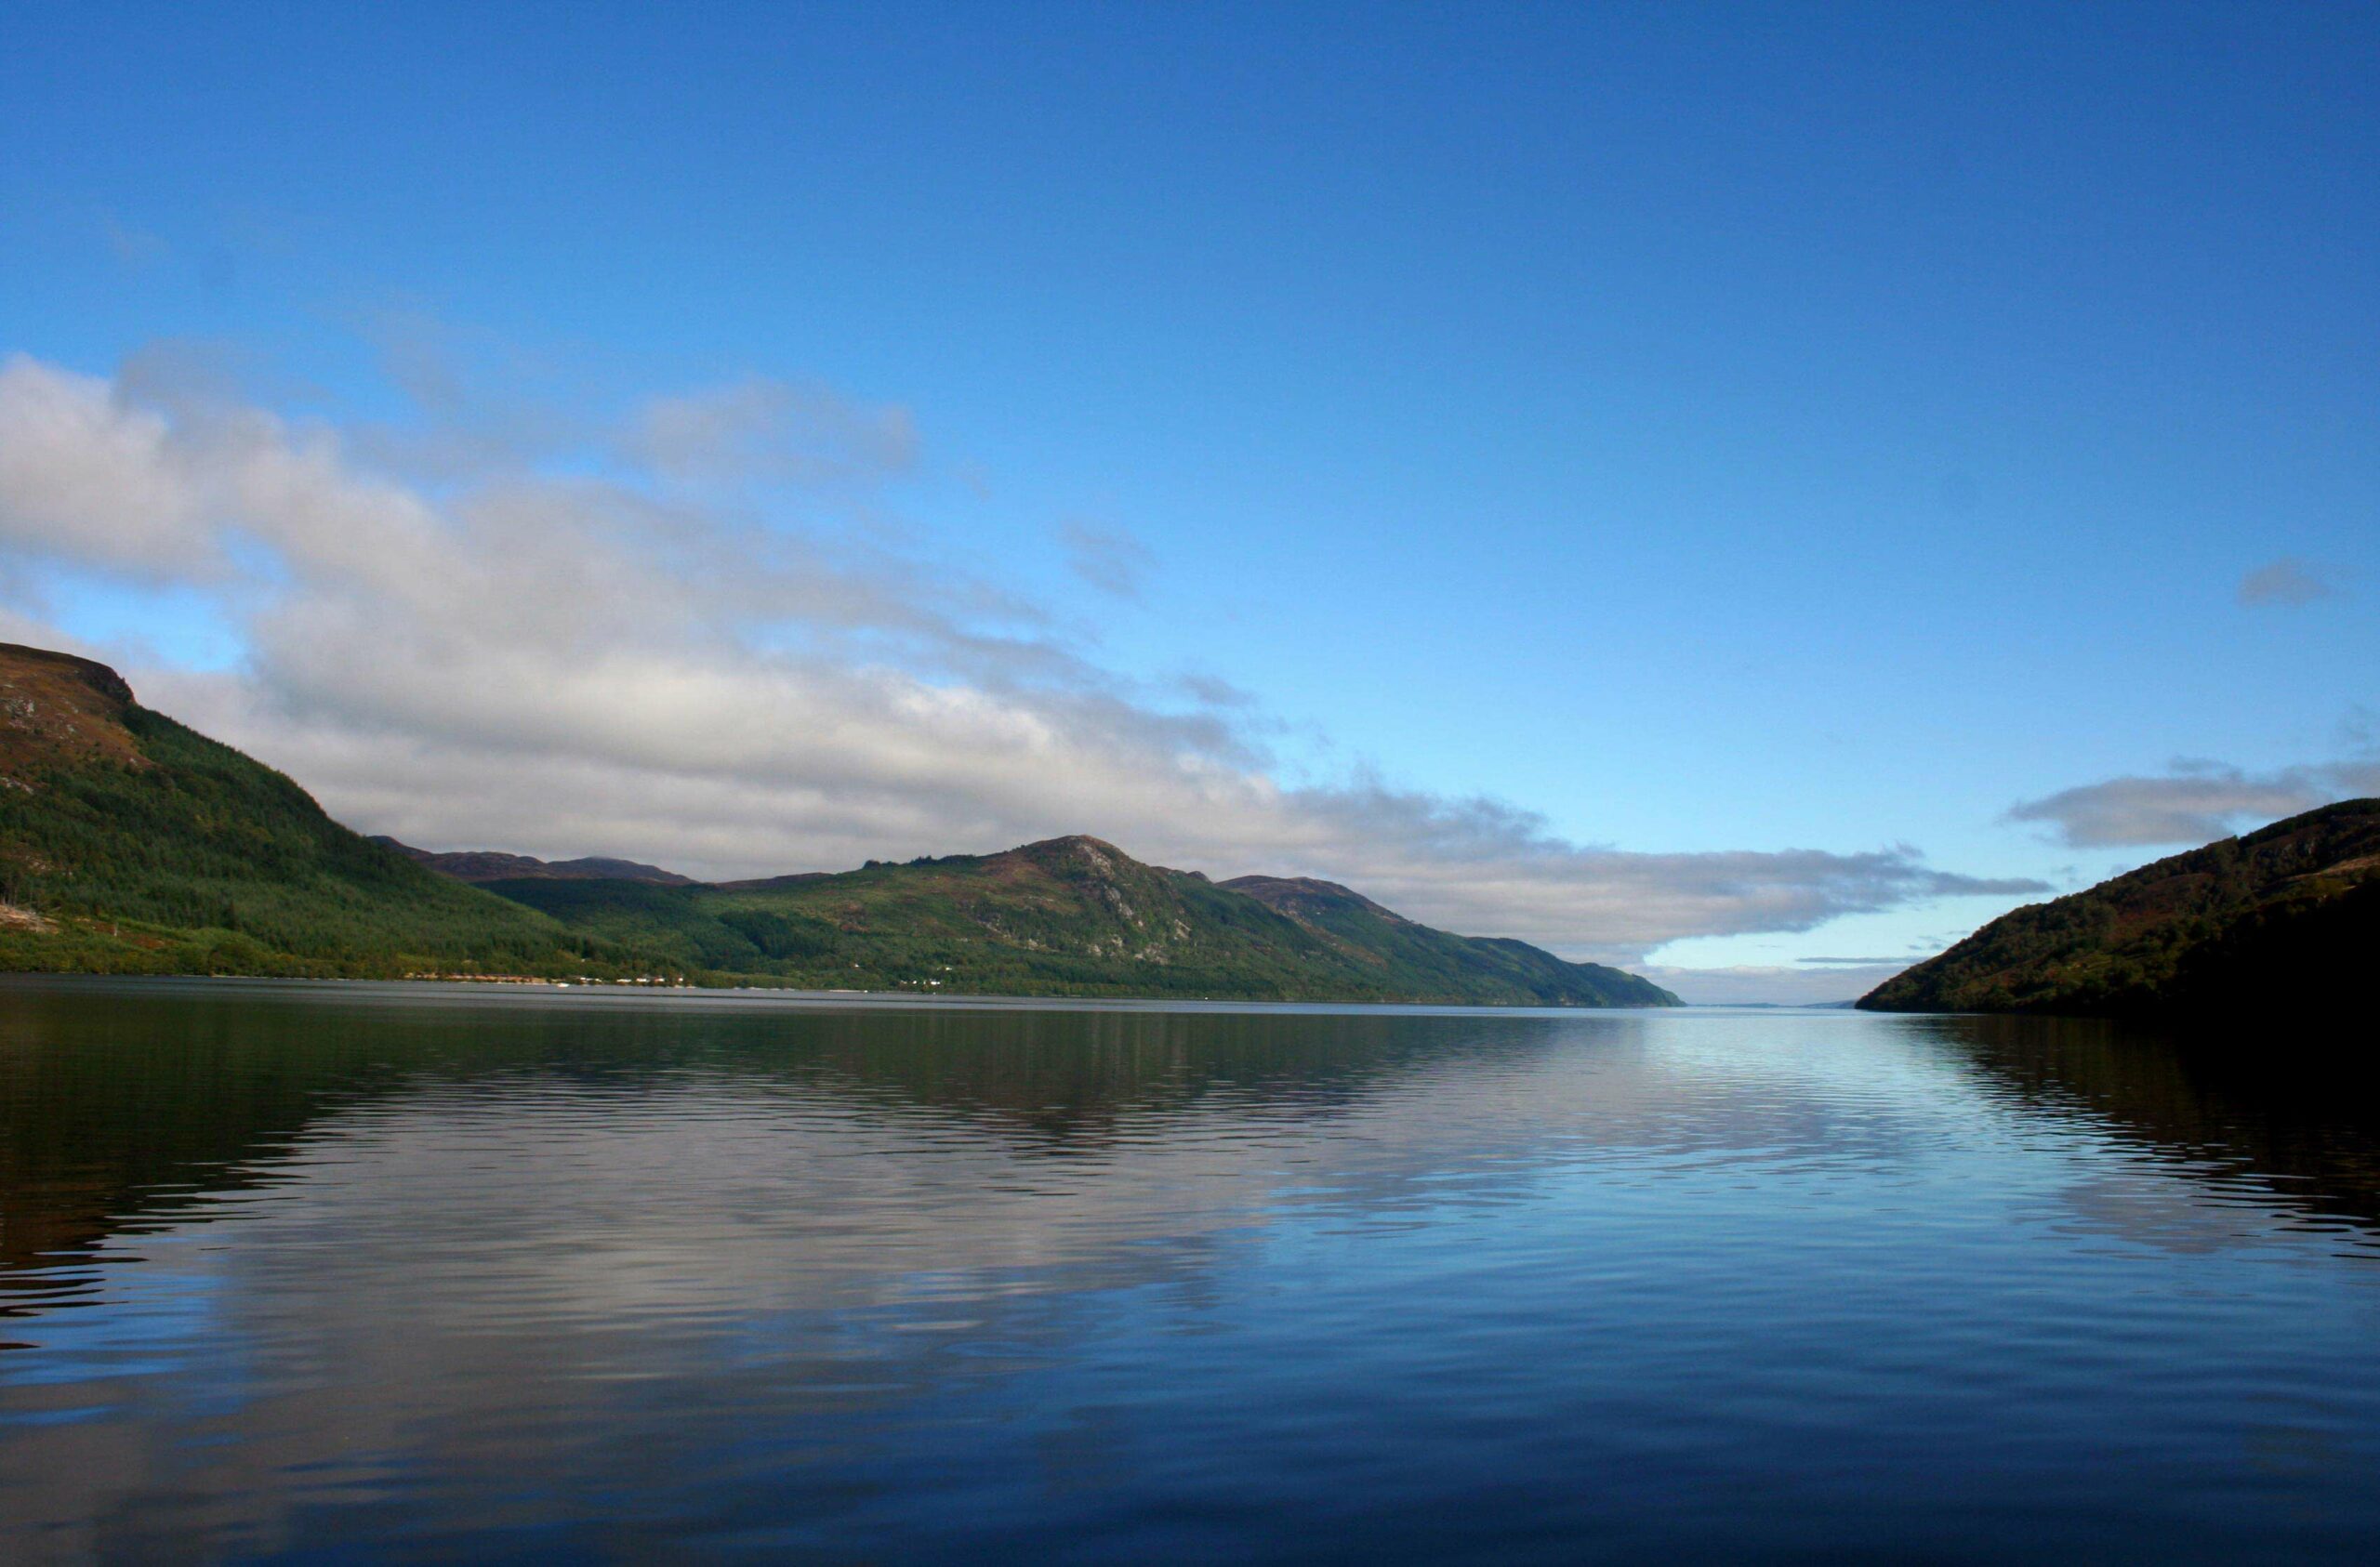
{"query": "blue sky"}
(1714, 431)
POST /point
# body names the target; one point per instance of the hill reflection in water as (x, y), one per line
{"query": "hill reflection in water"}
(130, 1103)
(2276, 1122)
(409, 1273)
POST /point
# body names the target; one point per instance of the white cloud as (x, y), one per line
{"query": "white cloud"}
(562, 664)
(86, 478)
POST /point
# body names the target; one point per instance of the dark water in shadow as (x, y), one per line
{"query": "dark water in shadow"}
(346, 1273)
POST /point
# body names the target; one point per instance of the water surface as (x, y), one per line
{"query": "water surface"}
(362, 1274)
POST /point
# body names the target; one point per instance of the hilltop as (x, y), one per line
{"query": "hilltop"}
(2273, 919)
(129, 844)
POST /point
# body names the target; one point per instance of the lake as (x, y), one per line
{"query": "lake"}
(354, 1273)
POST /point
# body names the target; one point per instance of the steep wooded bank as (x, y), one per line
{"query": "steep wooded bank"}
(2273, 920)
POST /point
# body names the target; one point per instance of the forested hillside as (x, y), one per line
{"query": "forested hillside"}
(2274, 919)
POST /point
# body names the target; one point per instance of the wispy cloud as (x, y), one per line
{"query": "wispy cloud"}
(1112, 561)
(132, 247)
(2290, 581)
(2192, 802)
(585, 656)
(1215, 691)
(770, 430)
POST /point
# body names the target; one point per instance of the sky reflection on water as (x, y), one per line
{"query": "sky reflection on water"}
(294, 1273)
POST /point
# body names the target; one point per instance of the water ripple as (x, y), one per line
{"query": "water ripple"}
(300, 1274)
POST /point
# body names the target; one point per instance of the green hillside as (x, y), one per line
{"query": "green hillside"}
(1069, 916)
(129, 844)
(1381, 941)
(2273, 920)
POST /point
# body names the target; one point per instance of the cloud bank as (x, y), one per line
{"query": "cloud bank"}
(2194, 802)
(605, 655)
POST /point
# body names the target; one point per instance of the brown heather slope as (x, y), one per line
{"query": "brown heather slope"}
(57, 710)
(2283, 918)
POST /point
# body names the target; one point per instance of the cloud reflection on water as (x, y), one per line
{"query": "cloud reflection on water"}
(342, 1247)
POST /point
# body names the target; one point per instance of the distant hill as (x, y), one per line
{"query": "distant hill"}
(129, 844)
(2281, 918)
(488, 864)
(1368, 935)
(1074, 916)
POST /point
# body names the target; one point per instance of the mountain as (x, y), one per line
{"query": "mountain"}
(129, 844)
(2274, 920)
(1072, 917)
(488, 864)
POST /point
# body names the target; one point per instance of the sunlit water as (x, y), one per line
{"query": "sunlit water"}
(353, 1273)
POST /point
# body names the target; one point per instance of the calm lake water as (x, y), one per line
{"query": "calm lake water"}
(356, 1273)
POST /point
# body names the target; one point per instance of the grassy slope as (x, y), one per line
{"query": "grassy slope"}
(1428, 958)
(149, 848)
(2238, 924)
(1071, 916)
